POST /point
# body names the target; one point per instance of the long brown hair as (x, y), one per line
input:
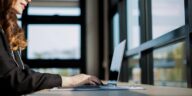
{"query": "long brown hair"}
(8, 21)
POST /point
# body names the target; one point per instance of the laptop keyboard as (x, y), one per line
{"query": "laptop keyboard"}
(88, 86)
(96, 86)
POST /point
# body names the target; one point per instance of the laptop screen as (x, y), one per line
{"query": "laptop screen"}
(116, 61)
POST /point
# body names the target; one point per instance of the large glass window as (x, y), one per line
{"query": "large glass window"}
(116, 30)
(167, 15)
(134, 69)
(54, 41)
(60, 8)
(133, 29)
(61, 71)
(170, 66)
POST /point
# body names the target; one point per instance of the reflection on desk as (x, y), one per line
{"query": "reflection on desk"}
(148, 91)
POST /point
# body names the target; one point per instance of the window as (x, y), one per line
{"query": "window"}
(167, 15)
(134, 69)
(159, 40)
(159, 31)
(133, 29)
(116, 30)
(55, 32)
(61, 71)
(170, 65)
(54, 41)
(59, 8)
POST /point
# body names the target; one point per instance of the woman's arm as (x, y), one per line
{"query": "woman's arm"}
(20, 81)
(23, 81)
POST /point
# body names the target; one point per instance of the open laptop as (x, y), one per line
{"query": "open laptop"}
(116, 62)
(115, 69)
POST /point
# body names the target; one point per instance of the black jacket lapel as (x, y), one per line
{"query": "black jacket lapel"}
(5, 42)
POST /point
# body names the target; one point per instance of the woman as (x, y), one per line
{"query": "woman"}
(15, 77)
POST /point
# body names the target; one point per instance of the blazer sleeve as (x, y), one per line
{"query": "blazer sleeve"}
(22, 81)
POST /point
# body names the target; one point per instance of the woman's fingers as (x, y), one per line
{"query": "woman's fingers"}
(95, 80)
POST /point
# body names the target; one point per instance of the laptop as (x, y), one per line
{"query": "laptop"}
(116, 62)
(115, 69)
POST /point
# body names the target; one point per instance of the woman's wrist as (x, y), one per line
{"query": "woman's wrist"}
(66, 81)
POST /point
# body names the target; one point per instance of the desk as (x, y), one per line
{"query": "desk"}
(148, 91)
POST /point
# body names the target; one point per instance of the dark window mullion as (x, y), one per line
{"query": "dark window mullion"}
(188, 9)
(188, 19)
(101, 38)
(189, 59)
(52, 19)
(142, 21)
(123, 35)
(53, 63)
(123, 27)
(146, 61)
(83, 35)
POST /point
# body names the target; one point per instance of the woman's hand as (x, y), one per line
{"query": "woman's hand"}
(80, 79)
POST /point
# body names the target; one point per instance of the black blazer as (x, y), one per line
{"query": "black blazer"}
(14, 80)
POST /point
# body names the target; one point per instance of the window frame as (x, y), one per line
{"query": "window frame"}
(148, 45)
(65, 63)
